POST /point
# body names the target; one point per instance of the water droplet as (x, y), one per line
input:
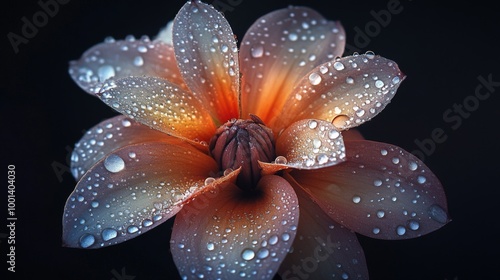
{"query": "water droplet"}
(413, 224)
(356, 199)
(314, 79)
(132, 154)
(87, 240)
(257, 51)
(209, 181)
(316, 143)
(312, 124)
(147, 223)
(438, 214)
(395, 160)
(340, 121)
(138, 61)
(132, 229)
(94, 204)
(395, 80)
(383, 152)
(114, 163)
(349, 80)
(421, 179)
(210, 246)
(292, 37)
(360, 112)
(377, 183)
(400, 230)
(108, 234)
(345, 276)
(280, 160)
(322, 158)
(333, 134)
(376, 230)
(142, 49)
(380, 213)
(285, 237)
(338, 66)
(105, 72)
(248, 254)
(379, 84)
(263, 253)
(273, 240)
(412, 165)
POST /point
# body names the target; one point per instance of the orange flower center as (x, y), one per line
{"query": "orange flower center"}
(243, 143)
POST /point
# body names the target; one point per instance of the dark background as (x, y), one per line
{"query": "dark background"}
(442, 49)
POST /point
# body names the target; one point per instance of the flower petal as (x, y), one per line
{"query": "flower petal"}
(323, 249)
(278, 50)
(207, 55)
(132, 190)
(106, 137)
(310, 144)
(161, 105)
(233, 234)
(380, 191)
(165, 34)
(119, 59)
(347, 91)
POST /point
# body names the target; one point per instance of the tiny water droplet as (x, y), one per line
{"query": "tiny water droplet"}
(356, 199)
(338, 66)
(281, 160)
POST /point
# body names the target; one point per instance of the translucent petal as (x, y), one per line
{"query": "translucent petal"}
(310, 144)
(207, 55)
(106, 137)
(380, 191)
(322, 249)
(278, 50)
(119, 59)
(347, 91)
(161, 105)
(165, 34)
(132, 190)
(233, 234)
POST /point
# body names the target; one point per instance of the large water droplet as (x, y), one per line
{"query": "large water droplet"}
(257, 51)
(356, 199)
(248, 254)
(210, 246)
(114, 163)
(280, 160)
(87, 240)
(314, 79)
(400, 230)
(338, 66)
(340, 121)
(108, 234)
(438, 214)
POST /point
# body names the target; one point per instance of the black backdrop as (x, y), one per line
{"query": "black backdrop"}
(444, 50)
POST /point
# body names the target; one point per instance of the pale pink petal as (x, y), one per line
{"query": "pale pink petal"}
(323, 249)
(310, 144)
(132, 190)
(119, 59)
(207, 56)
(278, 50)
(347, 91)
(230, 233)
(161, 105)
(106, 137)
(380, 191)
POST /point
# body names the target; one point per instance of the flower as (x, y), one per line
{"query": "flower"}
(249, 149)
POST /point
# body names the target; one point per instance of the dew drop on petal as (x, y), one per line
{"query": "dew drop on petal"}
(114, 163)
(257, 51)
(338, 66)
(248, 254)
(421, 179)
(87, 240)
(413, 225)
(379, 84)
(412, 165)
(340, 121)
(105, 72)
(210, 246)
(438, 214)
(108, 234)
(280, 160)
(356, 199)
(400, 230)
(333, 134)
(263, 253)
(314, 79)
